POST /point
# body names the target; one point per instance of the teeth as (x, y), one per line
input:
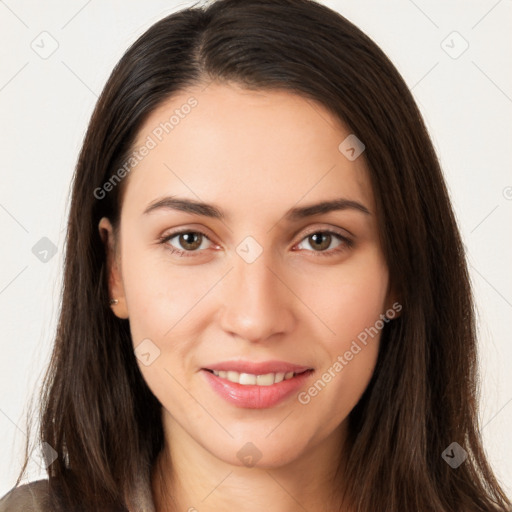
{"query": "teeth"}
(249, 379)
(278, 377)
(243, 378)
(265, 380)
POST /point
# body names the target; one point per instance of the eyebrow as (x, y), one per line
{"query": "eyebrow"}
(294, 214)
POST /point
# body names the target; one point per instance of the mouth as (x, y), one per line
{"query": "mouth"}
(251, 379)
(255, 391)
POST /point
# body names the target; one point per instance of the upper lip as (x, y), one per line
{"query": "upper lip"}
(260, 368)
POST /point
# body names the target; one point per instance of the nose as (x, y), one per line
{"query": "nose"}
(257, 303)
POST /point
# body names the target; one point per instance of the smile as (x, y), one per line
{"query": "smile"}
(253, 391)
(247, 379)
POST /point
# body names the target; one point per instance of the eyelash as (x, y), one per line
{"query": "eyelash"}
(347, 243)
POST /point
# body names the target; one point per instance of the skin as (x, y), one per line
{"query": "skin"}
(255, 155)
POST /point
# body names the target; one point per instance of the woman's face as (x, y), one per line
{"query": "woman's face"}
(258, 276)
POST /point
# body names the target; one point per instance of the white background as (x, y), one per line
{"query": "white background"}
(46, 104)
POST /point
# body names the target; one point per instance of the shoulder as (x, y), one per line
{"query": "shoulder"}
(31, 497)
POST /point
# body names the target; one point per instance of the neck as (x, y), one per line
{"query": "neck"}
(188, 478)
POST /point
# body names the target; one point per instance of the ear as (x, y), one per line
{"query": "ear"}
(113, 259)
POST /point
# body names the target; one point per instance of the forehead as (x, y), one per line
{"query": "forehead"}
(231, 145)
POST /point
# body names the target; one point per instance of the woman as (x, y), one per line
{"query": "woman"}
(266, 303)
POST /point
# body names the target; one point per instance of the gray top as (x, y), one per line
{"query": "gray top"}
(33, 497)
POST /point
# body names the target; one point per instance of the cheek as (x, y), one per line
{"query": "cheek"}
(351, 298)
(161, 309)
(159, 294)
(164, 307)
(351, 304)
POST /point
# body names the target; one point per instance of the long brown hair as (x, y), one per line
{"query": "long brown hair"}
(96, 409)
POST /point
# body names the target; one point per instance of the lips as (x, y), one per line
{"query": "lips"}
(256, 391)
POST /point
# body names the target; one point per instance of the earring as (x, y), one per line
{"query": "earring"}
(113, 302)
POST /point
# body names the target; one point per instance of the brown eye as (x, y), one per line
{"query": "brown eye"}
(190, 241)
(320, 241)
(186, 243)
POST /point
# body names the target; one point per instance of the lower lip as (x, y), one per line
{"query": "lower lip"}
(253, 396)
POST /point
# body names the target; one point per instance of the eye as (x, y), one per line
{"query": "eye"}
(322, 240)
(187, 242)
